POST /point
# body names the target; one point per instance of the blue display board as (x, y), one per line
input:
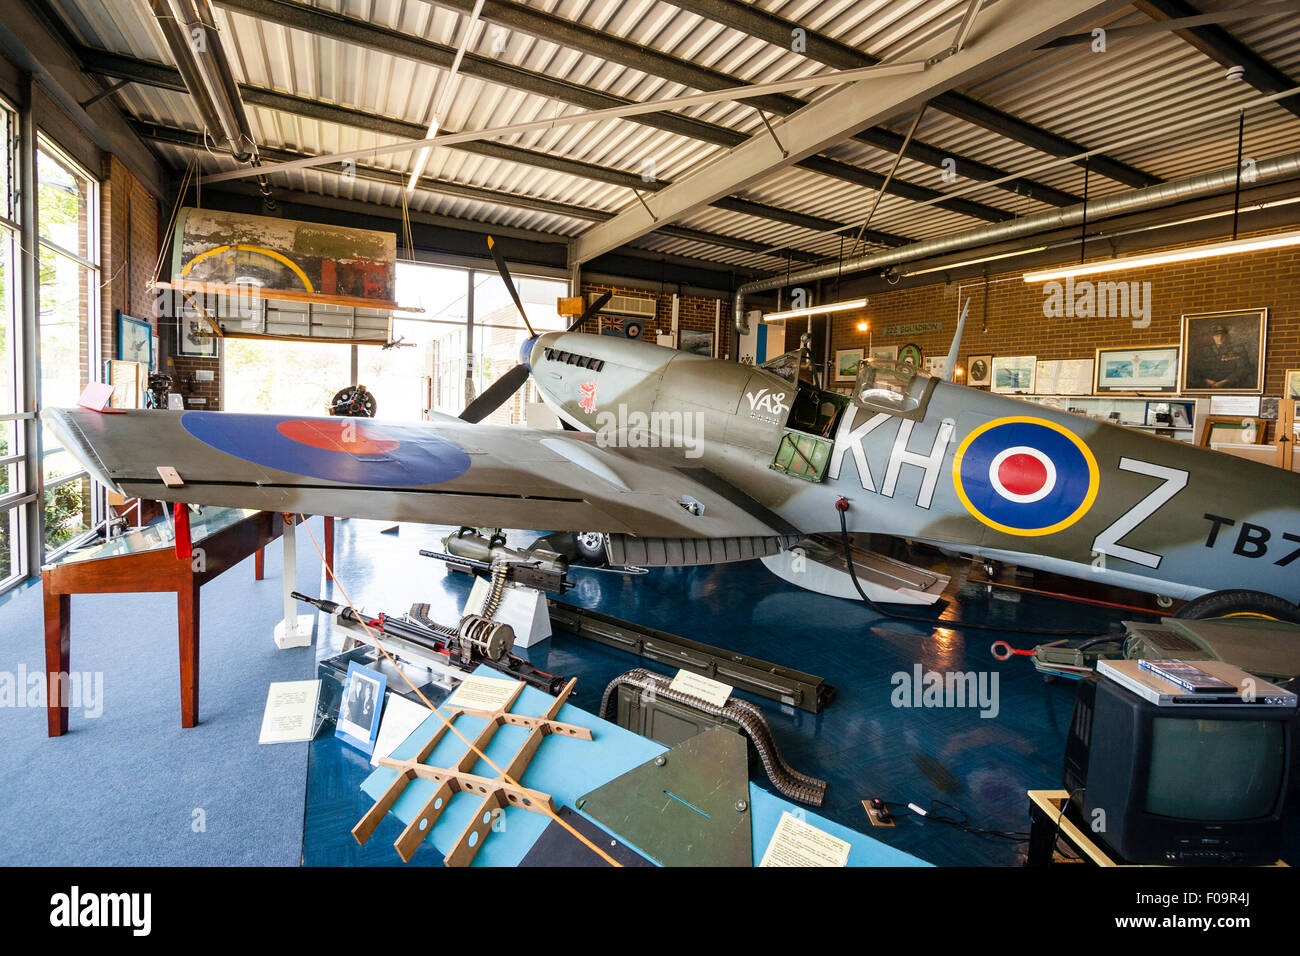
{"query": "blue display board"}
(566, 769)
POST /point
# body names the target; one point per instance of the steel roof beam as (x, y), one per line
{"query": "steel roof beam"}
(1220, 45)
(192, 140)
(156, 74)
(778, 31)
(1004, 34)
(336, 26)
(325, 23)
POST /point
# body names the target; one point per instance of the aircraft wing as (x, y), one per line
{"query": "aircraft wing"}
(435, 472)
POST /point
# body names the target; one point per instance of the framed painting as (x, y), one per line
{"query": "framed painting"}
(697, 343)
(1137, 371)
(1014, 374)
(846, 364)
(134, 340)
(195, 337)
(1223, 352)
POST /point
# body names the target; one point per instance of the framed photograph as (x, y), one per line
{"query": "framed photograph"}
(1292, 389)
(195, 337)
(1014, 374)
(134, 340)
(912, 355)
(1223, 352)
(361, 706)
(697, 343)
(846, 364)
(1136, 371)
(1237, 431)
(979, 369)
(889, 353)
(934, 365)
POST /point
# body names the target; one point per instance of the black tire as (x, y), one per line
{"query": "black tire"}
(590, 547)
(1240, 603)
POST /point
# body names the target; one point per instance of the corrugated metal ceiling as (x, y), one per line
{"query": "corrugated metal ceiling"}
(1122, 99)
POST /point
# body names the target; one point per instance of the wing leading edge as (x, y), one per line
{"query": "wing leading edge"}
(434, 473)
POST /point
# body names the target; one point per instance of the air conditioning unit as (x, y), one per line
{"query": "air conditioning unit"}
(640, 307)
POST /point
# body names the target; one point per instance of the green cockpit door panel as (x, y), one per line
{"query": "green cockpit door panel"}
(802, 455)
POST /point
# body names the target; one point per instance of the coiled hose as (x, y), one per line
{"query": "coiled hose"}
(788, 781)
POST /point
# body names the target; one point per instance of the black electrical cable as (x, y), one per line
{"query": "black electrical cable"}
(962, 824)
(842, 506)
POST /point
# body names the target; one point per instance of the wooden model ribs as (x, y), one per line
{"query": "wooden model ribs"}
(497, 793)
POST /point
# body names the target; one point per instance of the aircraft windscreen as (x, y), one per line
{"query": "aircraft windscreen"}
(891, 386)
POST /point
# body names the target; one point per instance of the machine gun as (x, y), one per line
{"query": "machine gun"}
(469, 551)
(477, 640)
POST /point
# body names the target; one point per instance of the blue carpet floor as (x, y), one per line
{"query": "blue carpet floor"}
(131, 787)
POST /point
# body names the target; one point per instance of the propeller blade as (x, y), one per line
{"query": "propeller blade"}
(510, 285)
(591, 310)
(496, 395)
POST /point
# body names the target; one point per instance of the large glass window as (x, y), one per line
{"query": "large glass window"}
(13, 508)
(499, 331)
(67, 199)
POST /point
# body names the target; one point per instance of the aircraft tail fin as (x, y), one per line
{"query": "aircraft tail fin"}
(951, 364)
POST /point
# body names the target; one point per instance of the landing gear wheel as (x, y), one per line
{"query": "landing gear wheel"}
(1240, 603)
(591, 547)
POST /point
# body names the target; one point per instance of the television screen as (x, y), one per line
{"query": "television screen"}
(1215, 770)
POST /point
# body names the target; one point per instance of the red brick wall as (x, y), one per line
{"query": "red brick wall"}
(695, 313)
(182, 371)
(129, 227)
(1016, 324)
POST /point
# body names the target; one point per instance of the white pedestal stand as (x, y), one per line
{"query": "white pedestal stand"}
(295, 629)
(524, 609)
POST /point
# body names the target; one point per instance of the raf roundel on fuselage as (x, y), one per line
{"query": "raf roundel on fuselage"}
(1025, 476)
(345, 450)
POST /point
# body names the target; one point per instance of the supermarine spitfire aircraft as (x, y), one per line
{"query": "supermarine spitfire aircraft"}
(679, 459)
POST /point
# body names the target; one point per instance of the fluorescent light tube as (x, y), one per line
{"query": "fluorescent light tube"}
(844, 306)
(1184, 254)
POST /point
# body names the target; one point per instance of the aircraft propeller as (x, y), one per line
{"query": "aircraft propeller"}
(499, 392)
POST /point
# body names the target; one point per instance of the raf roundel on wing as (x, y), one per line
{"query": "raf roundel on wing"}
(1025, 476)
(345, 450)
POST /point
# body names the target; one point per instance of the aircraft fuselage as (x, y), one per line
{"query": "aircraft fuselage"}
(953, 466)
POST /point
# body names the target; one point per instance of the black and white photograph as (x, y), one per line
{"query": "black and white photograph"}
(979, 370)
(361, 706)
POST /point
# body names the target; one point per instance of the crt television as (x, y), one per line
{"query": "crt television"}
(1191, 784)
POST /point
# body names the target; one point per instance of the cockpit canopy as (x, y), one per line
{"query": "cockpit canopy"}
(896, 388)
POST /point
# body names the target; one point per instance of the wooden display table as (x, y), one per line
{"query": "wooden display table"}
(149, 561)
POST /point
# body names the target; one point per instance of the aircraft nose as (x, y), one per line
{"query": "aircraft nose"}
(526, 350)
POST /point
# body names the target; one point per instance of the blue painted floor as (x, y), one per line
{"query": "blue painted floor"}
(950, 760)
